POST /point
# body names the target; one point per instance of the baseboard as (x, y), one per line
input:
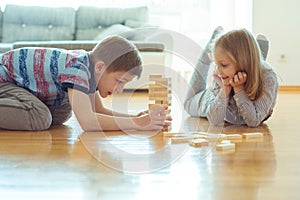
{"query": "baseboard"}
(289, 88)
(282, 88)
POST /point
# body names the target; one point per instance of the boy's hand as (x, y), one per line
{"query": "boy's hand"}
(155, 119)
(238, 82)
(142, 113)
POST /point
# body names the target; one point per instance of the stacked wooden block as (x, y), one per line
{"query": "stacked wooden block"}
(160, 93)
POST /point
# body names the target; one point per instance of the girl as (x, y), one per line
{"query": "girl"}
(245, 86)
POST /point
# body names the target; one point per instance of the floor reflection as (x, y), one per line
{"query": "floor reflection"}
(252, 165)
(137, 152)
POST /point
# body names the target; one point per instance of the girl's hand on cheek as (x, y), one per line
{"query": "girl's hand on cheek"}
(238, 81)
(218, 79)
(225, 88)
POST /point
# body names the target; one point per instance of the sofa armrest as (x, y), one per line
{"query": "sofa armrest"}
(87, 45)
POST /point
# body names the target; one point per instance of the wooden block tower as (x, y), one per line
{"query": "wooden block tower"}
(160, 93)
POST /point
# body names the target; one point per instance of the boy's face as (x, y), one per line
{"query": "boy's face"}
(113, 82)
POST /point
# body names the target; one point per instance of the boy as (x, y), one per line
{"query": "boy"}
(40, 86)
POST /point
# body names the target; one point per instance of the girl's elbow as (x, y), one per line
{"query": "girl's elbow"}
(215, 121)
(188, 109)
(253, 124)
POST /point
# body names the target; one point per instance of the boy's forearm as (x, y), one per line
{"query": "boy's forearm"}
(116, 122)
(93, 116)
(101, 122)
(113, 113)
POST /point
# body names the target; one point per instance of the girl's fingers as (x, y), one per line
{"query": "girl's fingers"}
(236, 78)
(244, 76)
(240, 76)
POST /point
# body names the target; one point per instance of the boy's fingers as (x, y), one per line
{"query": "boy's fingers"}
(169, 118)
(167, 124)
(156, 110)
(159, 120)
(157, 127)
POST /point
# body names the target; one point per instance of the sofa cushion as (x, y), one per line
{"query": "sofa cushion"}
(90, 21)
(116, 29)
(29, 23)
(138, 24)
(1, 24)
(87, 45)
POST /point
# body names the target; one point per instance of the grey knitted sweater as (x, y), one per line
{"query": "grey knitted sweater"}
(236, 109)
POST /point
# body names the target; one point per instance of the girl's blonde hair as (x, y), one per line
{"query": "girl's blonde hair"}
(242, 48)
(118, 54)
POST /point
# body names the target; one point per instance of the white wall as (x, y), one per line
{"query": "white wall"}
(280, 21)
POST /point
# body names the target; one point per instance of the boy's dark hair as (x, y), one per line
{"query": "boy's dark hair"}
(119, 55)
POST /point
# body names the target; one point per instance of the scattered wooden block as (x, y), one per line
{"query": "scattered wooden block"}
(201, 133)
(195, 136)
(225, 142)
(198, 142)
(183, 139)
(225, 146)
(215, 137)
(252, 135)
(171, 134)
(234, 136)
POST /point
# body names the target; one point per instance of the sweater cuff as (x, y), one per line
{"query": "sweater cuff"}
(222, 101)
(240, 97)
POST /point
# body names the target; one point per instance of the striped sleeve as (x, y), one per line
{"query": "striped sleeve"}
(254, 112)
(7, 67)
(217, 112)
(76, 75)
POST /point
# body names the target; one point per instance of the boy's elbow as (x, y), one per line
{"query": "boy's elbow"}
(89, 123)
(87, 127)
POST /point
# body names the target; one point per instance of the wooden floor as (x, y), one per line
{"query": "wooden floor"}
(66, 163)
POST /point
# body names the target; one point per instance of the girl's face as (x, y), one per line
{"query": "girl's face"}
(226, 68)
